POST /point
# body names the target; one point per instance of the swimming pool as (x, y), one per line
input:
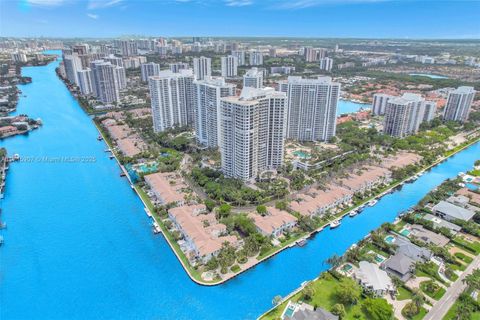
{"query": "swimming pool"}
(389, 239)
(302, 154)
(471, 186)
(405, 232)
(290, 311)
(379, 258)
(347, 267)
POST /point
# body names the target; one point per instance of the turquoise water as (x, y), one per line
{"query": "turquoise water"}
(390, 239)
(302, 154)
(431, 76)
(79, 244)
(471, 186)
(405, 232)
(346, 106)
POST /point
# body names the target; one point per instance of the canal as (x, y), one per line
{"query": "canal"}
(79, 245)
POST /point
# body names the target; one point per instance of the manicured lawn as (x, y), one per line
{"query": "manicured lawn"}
(325, 298)
(437, 294)
(475, 173)
(473, 247)
(463, 257)
(403, 294)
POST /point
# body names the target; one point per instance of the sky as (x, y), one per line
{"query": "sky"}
(403, 19)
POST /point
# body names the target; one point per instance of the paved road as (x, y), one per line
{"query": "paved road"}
(440, 308)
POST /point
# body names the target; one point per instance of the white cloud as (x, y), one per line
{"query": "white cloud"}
(301, 4)
(238, 3)
(93, 16)
(96, 4)
(45, 3)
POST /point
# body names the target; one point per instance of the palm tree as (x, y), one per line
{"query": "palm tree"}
(334, 261)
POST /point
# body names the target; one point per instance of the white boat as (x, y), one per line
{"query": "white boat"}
(335, 224)
(353, 213)
(16, 157)
(372, 203)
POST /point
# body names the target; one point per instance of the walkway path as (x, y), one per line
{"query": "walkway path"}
(439, 310)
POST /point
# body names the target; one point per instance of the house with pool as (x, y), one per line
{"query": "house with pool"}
(304, 311)
(451, 212)
(373, 280)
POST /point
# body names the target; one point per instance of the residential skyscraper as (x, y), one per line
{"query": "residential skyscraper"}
(172, 99)
(252, 132)
(105, 81)
(229, 66)
(149, 69)
(256, 58)
(312, 108)
(126, 47)
(177, 66)
(207, 106)
(326, 64)
(72, 64)
(380, 103)
(253, 78)
(240, 54)
(403, 115)
(458, 104)
(202, 67)
(84, 77)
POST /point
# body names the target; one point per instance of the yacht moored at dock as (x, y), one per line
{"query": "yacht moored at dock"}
(373, 202)
(353, 213)
(334, 224)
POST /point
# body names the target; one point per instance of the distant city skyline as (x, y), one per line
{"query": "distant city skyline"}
(409, 19)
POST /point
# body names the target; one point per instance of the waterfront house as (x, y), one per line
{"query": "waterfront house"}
(458, 200)
(439, 223)
(399, 265)
(366, 179)
(401, 160)
(202, 233)
(168, 188)
(318, 202)
(451, 212)
(411, 250)
(427, 236)
(474, 198)
(8, 130)
(373, 279)
(303, 311)
(274, 223)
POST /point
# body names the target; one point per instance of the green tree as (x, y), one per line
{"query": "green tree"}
(262, 210)
(308, 291)
(338, 309)
(224, 210)
(378, 309)
(348, 292)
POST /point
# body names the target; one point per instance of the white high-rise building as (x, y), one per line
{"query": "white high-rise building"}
(72, 64)
(177, 66)
(116, 61)
(312, 108)
(430, 111)
(256, 58)
(207, 106)
(84, 77)
(121, 77)
(240, 54)
(229, 66)
(403, 115)
(253, 78)
(149, 69)
(458, 104)
(326, 64)
(172, 99)
(105, 81)
(202, 67)
(380, 103)
(126, 47)
(19, 57)
(252, 132)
